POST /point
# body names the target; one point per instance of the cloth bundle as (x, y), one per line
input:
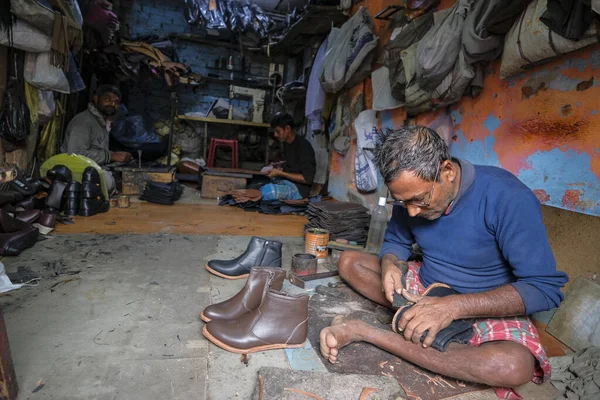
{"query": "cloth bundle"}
(162, 193)
(343, 220)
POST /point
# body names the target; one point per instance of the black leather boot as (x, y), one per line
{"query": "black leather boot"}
(60, 176)
(91, 200)
(260, 253)
(71, 201)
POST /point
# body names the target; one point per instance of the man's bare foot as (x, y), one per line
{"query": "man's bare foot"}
(341, 333)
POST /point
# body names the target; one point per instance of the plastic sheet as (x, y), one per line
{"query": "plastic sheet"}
(14, 117)
(227, 15)
(25, 37)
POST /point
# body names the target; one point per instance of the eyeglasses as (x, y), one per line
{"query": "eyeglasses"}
(418, 203)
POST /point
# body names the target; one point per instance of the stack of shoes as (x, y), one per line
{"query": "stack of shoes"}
(259, 252)
(15, 235)
(91, 201)
(260, 317)
(343, 220)
(162, 193)
(71, 199)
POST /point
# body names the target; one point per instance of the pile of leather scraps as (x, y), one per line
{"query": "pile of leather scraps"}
(343, 220)
(250, 200)
(577, 376)
(246, 199)
(162, 193)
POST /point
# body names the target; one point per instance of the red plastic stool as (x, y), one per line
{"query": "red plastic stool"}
(214, 143)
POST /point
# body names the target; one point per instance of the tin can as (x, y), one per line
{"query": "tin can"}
(123, 202)
(315, 242)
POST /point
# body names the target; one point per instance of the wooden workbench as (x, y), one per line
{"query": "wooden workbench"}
(207, 121)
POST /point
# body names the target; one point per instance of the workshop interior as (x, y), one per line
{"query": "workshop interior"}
(299, 199)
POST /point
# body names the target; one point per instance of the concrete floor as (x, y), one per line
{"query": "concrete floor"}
(126, 326)
(116, 317)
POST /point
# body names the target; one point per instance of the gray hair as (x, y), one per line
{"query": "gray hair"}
(415, 149)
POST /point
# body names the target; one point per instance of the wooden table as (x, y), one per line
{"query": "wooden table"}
(207, 121)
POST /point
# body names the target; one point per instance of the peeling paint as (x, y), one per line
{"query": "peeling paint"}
(542, 125)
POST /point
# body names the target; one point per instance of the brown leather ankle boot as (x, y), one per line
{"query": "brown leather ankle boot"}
(249, 298)
(280, 322)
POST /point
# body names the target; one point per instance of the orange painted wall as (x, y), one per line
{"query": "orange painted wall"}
(543, 126)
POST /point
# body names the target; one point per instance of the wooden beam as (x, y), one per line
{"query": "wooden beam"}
(8, 380)
(224, 121)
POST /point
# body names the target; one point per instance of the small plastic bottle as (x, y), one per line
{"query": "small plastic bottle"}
(377, 227)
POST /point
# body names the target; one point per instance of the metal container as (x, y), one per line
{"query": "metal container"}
(315, 242)
(304, 264)
(123, 202)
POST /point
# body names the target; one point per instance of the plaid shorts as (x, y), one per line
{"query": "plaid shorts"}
(516, 329)
(280, 190)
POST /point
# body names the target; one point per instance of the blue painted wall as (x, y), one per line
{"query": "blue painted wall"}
(152, 98)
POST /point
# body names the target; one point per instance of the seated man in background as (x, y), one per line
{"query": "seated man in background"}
(481, 233)
(294, 181)
(88, 132)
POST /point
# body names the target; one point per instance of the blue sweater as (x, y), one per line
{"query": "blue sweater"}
(494, 235)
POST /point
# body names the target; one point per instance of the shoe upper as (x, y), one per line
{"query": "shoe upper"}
(251, 295)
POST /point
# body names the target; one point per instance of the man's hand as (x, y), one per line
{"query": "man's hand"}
(120, 156)
(274, 173)
(391, 277)
(430, 314)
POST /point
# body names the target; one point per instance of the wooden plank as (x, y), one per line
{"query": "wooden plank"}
(217, 186)
(238, 170)
(193, 219)
(576, 323)
(224, 121)
(8, 380)
(133, 182)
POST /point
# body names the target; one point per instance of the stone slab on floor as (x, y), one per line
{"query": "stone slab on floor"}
(281, 384)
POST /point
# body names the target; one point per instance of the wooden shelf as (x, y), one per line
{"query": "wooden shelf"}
(224, 121)
(315, 24)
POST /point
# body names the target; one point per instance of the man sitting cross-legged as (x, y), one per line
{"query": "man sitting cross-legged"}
(481, 232)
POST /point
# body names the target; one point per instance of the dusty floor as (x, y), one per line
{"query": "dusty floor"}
(116, 317)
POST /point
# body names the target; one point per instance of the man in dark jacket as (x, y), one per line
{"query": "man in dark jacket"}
(294, 180)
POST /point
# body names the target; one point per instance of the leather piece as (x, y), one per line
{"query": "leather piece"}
(260, 252)
(250, 297)
(280, 322)
(28, 216)
(459, 331)
(15, 235)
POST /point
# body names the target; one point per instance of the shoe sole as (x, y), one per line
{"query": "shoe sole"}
(212, 271)
(204, 317)
(222, 345)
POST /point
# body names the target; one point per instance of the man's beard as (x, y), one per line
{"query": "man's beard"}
(108, 111)
(433, 214)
